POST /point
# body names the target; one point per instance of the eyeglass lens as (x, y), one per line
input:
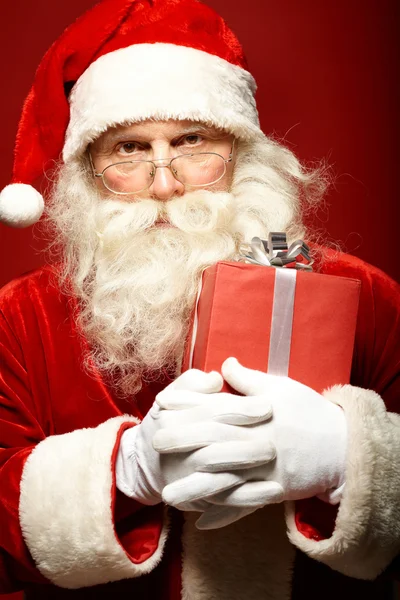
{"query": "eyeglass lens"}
(193, 170)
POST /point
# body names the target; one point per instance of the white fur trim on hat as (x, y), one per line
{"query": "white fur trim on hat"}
(367, 532)
(20, 205)
(160, 81)
(66, 509)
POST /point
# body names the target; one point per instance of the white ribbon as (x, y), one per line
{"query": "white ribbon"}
(282, 322)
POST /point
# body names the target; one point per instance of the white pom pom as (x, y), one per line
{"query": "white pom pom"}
(20, 205)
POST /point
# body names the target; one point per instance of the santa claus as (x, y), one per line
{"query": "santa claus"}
(119, 475)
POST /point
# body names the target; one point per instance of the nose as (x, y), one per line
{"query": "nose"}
(165, 186)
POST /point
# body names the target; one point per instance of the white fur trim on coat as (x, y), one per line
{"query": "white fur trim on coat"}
(367, 531)
(160, 81)
(66, 513)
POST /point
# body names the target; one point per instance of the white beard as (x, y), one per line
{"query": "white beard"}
(137, 283)
(142, 290)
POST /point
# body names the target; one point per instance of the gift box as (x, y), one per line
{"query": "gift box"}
(277, 320)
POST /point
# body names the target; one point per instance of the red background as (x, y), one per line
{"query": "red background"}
(327, 74)
(327, 84)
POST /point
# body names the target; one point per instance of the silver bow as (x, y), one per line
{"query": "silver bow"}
(275, 252)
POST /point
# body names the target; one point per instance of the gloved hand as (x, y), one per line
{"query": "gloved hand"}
(308, 433)
(188, 421)
(142, 473)
(138, 470)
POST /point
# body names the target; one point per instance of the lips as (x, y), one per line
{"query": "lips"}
(162, 224)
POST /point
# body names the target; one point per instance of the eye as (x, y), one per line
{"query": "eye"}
(128, 148)
(191, 140)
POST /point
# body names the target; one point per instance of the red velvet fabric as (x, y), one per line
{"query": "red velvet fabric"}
(44, 391)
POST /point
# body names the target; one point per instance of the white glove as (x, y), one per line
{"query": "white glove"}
(194, 420)
(138, 470)
(309, 435)
(142, 473)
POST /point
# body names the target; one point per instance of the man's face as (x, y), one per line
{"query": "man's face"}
(161, 141)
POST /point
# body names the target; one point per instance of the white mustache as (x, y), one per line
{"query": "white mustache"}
(195, 212)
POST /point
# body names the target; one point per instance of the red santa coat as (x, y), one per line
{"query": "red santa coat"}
(66, 532)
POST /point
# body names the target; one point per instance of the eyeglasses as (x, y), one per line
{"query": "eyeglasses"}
(194, 170)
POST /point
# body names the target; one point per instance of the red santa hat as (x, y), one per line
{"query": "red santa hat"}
(126, 61)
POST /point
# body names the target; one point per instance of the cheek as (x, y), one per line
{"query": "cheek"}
(224, 184)
(103, 189)
(117, 181)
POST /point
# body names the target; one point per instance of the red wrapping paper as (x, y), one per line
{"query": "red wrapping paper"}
(234, 316)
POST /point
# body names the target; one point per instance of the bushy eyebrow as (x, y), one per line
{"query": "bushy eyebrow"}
(196, 128)
(114, 137)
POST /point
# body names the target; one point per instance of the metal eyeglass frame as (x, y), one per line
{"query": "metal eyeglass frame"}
(168, 166)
